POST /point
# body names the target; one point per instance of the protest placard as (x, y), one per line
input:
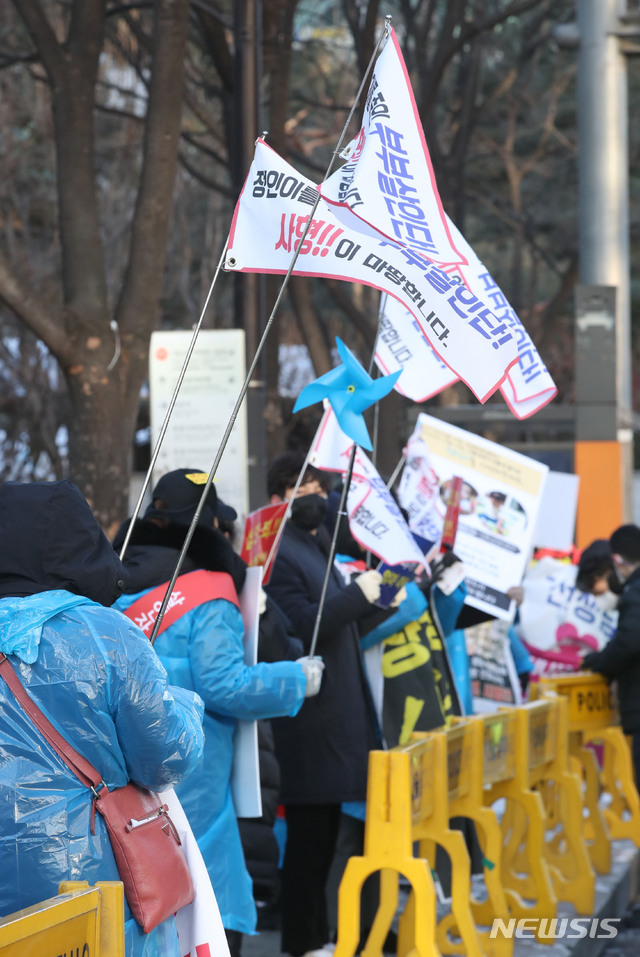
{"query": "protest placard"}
(559, 623)
(260, 531)
(492, 673)
(498, 508)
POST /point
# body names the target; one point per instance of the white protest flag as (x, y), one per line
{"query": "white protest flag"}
(388, 185)
(375, 521)
(268, 224)
(419, 489)
(388, 179)
(528, 386)
(401, 345)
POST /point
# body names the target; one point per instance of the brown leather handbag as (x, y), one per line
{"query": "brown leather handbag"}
(145, 843)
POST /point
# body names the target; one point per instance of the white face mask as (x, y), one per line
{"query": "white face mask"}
(622, 569)
(621, 578)
(607, 602)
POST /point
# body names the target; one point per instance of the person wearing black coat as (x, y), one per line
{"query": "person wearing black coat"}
(620, 658)
(323, 751)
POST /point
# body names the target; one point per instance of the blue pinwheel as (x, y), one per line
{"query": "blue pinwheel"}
(350, 390)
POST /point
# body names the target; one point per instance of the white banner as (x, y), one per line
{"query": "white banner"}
(269, 222)
(199, 926)
(401, 345)
(388, 158)
(375, 521)
(558, 622)
(388, 185)
(501, 494)
(528, 386)
(245, 768)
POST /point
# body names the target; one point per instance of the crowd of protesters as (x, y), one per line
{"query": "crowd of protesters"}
(165, 715)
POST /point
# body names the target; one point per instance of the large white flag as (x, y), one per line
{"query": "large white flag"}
(528, 386)
(388, 179)
(401, 345)
(388, 185)
(268, 225)
(375, 521)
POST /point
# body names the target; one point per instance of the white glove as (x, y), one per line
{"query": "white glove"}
(400, 597)
(313, 668)
(262, 602)
(369, 584)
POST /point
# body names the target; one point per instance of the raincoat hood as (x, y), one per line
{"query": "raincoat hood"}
(51, 541)
(22, 620)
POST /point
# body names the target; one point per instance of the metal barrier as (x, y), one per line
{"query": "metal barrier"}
(83, 921)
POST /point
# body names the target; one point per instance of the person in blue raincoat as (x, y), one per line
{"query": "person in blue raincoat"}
(97, 679)
(203, 650)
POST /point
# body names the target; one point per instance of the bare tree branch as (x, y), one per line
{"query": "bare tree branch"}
(44, 38)
(44, 320)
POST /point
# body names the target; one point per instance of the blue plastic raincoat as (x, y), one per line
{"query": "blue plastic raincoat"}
(96, 677)
(203, 651)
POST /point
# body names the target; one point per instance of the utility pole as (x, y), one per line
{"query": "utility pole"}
(608, 32)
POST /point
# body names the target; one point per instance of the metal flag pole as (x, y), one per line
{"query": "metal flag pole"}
(276, 541)
(165, 424)
(336, 529)
(332, 550)
(245, 386)
(396, 472)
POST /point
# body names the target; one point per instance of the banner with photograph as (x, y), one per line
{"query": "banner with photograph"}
(494, 681)
(498, 509)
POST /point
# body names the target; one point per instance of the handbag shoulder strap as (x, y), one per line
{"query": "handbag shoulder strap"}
(83, 769)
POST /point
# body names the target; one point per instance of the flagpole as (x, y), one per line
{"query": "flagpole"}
(395, 473)
(165, 424)
(332, 550)
(276, 541)
(376, 409)
(245, 386)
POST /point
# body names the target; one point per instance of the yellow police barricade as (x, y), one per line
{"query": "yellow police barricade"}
(83, 921)
(400, 794)
(543, 773)
(468, 761)
(413, 792)
(593, 719)
(455, 772)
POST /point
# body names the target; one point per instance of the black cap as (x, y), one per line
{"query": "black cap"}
(180, 492)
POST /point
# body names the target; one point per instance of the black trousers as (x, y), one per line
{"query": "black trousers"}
(312, 832)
